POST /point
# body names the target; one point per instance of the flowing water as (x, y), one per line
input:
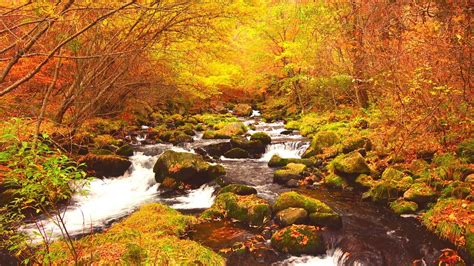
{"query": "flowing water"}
(371, 235)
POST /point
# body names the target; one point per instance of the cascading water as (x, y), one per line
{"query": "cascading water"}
(107, 199)
(290, 149)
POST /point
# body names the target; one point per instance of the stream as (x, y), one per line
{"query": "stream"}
(370, 235)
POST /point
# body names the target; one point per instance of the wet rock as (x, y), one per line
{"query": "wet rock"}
(262, 137)
(350, 165)
(290, 171)
(105, 165)
(277, 161)
(286, 132)
(401, 206)
(254, 147)
(291, 216)
(126, 151)
(242, 110)
(250, 210)
(292, 183)
(322, 139)
(328, 219)
(218, 149)
(420, 193)
(299, 239)
(238, 189)
(237, 153)
(186, 167)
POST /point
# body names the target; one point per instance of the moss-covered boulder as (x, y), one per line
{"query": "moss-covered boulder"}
(186, 167)
(291, 216)
(355, 143)
(237, 153)
(226, 131)
(254, 147)
(250, 210)
(350, 165)
(420, 193)
(299, 239)
(392, 185)
(180, 137)
(322, 139)
(238, 189)
(335, 181)
(106, 141)
(105, 165)
(242, 110)
(290, 171)
(262, 137)
(294, 199)
(328, 219)
(401, 206)
(364, 182)
(126, 151)
(277, 161)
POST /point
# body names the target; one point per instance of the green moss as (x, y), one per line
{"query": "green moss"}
(457, 189)
(148, 236)
(125, 150)
(350, 164)
(262, 137)
(277, 161)
(401, 206)
(105, 140)
(365, 181)
(420, 193)
(335, 181)
(290, 171)
(322, 139)
(296, 200)
(250, 210)
(298, 239)
(329, 219)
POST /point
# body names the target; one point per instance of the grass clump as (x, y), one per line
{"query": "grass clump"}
(148, 236)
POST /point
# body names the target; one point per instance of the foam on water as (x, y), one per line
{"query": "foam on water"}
(291, 149)
(201, 198)
(107, 199)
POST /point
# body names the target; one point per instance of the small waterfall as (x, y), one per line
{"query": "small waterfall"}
(107, 199)
(291, 149)
(201, 198)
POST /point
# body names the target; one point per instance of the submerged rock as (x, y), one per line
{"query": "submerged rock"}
(290, 171)
(186, 167)
(105, 165)
(250, 210)
(299, 239)
(238, 189)
(291, 216)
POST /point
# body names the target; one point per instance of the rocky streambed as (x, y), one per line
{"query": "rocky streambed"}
(254, 224)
